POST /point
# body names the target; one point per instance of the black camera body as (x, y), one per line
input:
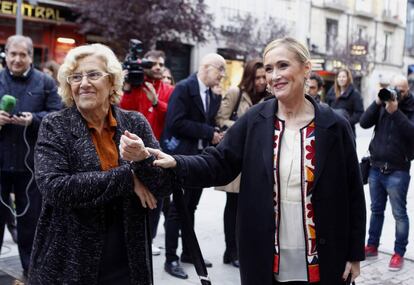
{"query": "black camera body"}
(389, 94)
(134, 64)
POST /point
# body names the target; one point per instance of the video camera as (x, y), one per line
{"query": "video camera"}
(389, 94)
(134, 64)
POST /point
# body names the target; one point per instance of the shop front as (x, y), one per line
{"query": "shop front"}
(51, 27)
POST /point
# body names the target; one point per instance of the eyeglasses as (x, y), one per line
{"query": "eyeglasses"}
(220, 68)
(91, 76)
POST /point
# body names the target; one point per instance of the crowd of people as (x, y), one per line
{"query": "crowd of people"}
(88, 163)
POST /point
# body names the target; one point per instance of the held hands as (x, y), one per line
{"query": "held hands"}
(144, 195)
(162, 159)
(217, 137)
(132, 147)
(353, 268)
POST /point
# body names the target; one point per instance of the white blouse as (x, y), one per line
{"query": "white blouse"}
(291, 234)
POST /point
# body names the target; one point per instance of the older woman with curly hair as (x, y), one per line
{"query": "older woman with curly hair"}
(93, 228)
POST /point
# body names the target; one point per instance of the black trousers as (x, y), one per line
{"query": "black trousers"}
(16, 182)
(163, 205)
(230, 214)
(173, 224)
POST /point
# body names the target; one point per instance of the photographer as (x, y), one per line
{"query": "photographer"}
(391, 151)
(151, 97)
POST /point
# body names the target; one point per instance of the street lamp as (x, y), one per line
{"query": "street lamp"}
(19, 16)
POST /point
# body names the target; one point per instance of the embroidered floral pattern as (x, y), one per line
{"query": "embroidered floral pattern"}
(308, 167)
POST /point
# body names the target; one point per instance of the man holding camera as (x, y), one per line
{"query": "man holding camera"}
(391, 152)
(151, 97)
(35, 95)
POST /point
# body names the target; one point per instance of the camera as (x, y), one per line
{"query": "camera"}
(134, 64)
(389, 94)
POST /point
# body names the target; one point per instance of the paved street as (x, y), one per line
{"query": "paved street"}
(209, 228)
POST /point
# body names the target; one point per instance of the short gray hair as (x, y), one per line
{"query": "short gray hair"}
(112, 66)
(20, 39)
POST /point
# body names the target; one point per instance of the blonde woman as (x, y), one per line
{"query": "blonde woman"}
(301, 212)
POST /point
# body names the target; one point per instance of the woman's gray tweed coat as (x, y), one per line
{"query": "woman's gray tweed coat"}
(69, 237)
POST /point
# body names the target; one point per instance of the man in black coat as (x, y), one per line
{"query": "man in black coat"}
(190, 127)
(36, 95)
(391, 152)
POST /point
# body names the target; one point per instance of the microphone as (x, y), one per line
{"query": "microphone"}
(7, 104)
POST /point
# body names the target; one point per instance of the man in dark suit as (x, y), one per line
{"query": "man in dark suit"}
(190, 127)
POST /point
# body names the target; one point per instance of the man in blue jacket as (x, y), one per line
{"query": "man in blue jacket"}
(190, 127)
(36, 95)
(391, 152)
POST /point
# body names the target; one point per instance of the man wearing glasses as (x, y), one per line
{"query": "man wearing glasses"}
(36, 95)
(190, 127)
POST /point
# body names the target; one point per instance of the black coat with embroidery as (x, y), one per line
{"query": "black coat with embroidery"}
(338, 197)
(69, 237)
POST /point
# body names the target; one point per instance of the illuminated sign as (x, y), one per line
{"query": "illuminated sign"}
(37, 12)
(358, 49)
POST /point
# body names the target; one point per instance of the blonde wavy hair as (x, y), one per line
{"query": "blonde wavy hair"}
(301, 52)
(112, 66)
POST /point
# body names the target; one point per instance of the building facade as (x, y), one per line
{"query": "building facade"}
(366, 35)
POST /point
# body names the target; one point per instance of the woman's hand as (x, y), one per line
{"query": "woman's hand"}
(132, 147)
(146, 197)
(353, 268)
(162, 159)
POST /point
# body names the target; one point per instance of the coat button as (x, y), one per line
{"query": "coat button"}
(322, 241)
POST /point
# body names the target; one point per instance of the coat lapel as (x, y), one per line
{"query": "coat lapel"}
(264, 124)
(83, 142)
(195, 94)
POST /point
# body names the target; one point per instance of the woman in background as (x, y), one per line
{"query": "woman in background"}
(51, 68)
(345, 98)
(167, 77)
(250, 91)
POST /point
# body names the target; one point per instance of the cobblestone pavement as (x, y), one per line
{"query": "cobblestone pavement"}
(376, 272)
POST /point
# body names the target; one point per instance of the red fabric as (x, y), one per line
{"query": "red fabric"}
(276, 264)
(136, 100)
(314, 273)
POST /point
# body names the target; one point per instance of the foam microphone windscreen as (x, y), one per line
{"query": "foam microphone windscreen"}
(7, 103)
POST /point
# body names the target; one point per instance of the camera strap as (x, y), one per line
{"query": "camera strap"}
(188, 232)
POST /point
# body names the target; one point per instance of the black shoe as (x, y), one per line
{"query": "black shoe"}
(173, 268)
(229, 260)
(187, 259)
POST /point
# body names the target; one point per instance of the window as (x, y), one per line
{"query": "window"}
(362, 32)
(387, 46)
(363, 6)
(409, 38)
(331, 34)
